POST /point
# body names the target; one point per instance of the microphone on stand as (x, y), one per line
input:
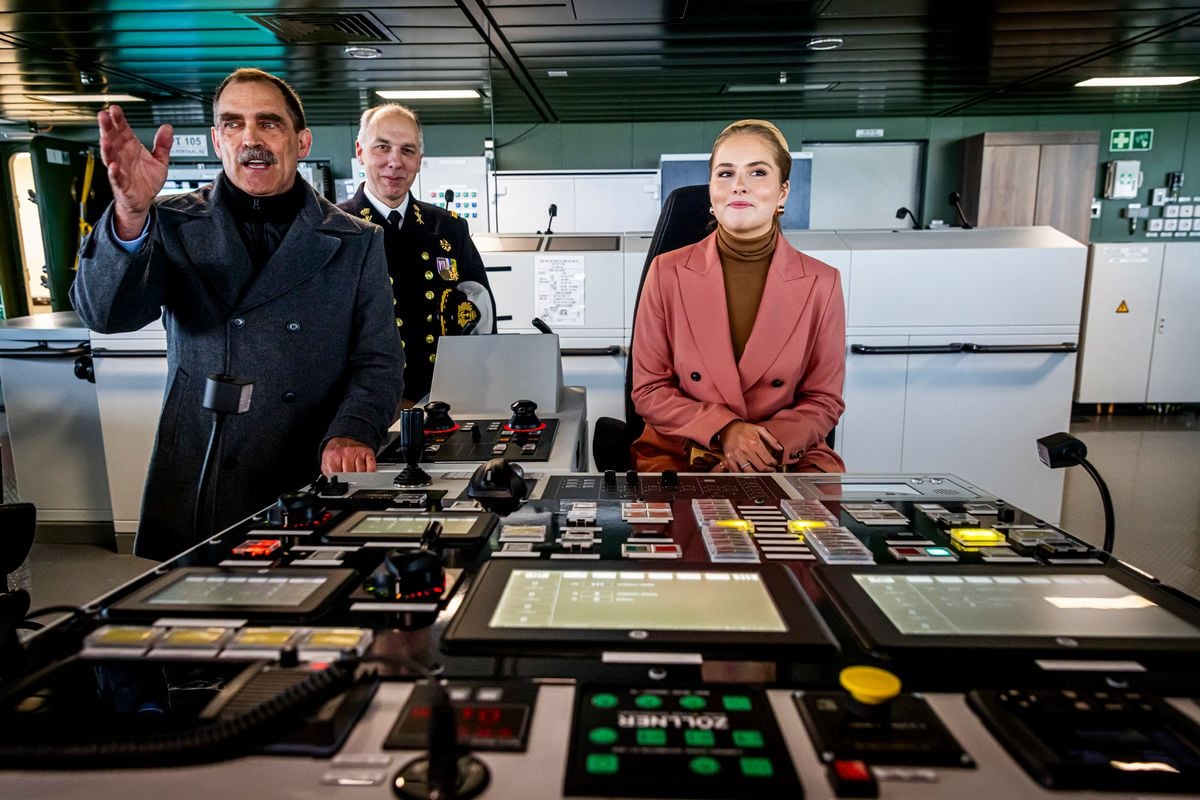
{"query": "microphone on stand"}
(549, 222)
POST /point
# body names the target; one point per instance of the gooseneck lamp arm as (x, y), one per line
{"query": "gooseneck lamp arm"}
(223, 395)
(1060, 450)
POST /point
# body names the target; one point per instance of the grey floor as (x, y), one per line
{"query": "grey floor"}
(1151, 464)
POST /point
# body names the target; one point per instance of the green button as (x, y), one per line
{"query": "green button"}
(648, 701)
(604, 700)
(736, 702)
(602, 736)
(693, 702)
(757, 767)
(699, 738)
(601, 764)
(653, 737)
(747, 739)
(704, 766)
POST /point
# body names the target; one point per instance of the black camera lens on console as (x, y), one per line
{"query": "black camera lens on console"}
(499, 486)
(437, 417)
(294, 510)
(524, 416)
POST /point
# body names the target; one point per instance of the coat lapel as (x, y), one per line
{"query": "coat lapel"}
(785, 298)
(702, 289)
(211, 240)
(306, 249)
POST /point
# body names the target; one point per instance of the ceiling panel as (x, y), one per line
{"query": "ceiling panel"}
(624, 59)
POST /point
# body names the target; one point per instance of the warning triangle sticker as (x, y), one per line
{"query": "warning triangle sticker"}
(1123, 308)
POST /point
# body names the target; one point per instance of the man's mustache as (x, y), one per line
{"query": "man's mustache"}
(256, 153)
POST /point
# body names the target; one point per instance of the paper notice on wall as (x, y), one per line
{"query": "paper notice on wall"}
(559, 290)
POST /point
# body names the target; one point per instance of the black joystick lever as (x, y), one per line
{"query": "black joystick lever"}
(412, 444)
(437, 417)
(524, 417)
(294, 510)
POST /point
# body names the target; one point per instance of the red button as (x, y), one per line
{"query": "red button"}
(852, 770)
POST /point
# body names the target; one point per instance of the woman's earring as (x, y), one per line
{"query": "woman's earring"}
(779, 211)
(710, 210)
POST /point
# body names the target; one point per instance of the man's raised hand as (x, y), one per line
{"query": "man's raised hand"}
(136, 174)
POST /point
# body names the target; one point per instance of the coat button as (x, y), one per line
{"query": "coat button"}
(432, 358)
(429, 317)
(402, 345)
(424, 256)
(695, 376)
(777, 382)
(237, 322)
(429, 338)
(428, 275)
(399, 322)
(293, 326)
(288, 397)
(429, 295)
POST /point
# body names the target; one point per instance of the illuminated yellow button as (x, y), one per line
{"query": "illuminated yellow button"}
(264, 637)
(193, 637)
(733, 524)
(429, 339)
(869, 685)
(977, 537)
(336, 638)
(429, 295)
(424, 256)
(117, 636)
(428, 275)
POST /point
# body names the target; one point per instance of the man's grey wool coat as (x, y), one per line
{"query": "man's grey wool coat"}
(314, 331)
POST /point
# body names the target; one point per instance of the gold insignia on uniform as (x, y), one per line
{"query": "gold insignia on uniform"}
(454, 214)
(448, 269)
(424, 256)
(365, 214)
(445, 245)
(467, 313)
(417, 215)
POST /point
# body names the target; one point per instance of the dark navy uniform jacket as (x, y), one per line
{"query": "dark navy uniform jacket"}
(439, 284)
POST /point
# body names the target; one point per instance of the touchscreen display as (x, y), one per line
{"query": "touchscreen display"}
(637, 600)
(390, 524)
(233, 591)
(1053, 604)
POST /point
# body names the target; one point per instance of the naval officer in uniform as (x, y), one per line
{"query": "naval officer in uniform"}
(438, 281)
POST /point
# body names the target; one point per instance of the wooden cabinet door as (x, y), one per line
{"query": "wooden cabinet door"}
(1008, 186)
(1066, 180)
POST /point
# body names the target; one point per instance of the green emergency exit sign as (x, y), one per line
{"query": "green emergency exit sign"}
(1130, 139)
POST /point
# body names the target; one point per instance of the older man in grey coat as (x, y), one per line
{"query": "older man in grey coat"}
(258, 277)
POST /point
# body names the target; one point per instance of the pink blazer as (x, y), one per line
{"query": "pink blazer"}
(686, 383)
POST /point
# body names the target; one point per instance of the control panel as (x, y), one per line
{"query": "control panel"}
(619, 635)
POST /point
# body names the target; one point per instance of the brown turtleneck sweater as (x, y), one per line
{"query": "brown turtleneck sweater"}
(744, 263)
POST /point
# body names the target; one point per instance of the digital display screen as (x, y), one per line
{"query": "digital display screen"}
(1051, 604)
(637, 600)
(394, 525)
(234, 591)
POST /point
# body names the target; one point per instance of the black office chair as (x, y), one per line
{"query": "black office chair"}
(684, 220)
(18, 522)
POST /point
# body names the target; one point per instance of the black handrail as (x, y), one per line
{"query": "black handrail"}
(106, 352)
(610, 350)
(1065, 347)
(916, 349)
(43, 350)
